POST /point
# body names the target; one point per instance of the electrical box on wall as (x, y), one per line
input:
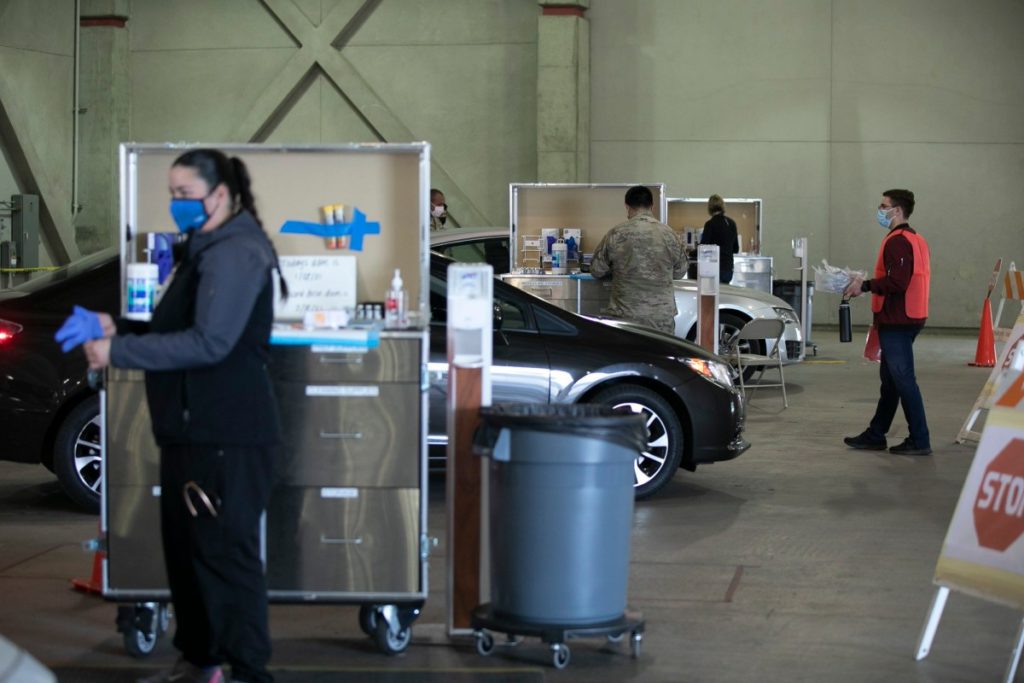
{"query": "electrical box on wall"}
(25, 229)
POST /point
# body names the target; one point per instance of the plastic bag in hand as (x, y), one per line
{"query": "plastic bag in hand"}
(81, 326)
(828, 278)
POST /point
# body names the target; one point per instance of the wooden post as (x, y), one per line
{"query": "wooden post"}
(707, 295)
(464, 491)
(470, 336)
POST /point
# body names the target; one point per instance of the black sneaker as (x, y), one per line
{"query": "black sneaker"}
(864, 441)
(908, 448)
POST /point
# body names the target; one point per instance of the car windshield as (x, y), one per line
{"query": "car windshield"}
(71, 270)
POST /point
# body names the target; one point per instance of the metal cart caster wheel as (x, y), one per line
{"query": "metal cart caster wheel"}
(368, 620)
(634, 644)
(139, 643)
(560, 655)
(163, 619)
(484, 643)
(392, 643)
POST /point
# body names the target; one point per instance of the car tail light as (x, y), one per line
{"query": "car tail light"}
(8, 330)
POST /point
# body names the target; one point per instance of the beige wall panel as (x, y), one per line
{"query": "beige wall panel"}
(160, 25)
(698, 70)
(460, 74)
(40, 106)
(475, 104)
(36, 44)
(791, 179)
(38, 25)
(322, 115)
(293, 186)
(197, 95)
(593, 210)
(928, 70)
(970, 208)
(446, 23)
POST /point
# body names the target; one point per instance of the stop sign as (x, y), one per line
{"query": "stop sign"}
(999, 504)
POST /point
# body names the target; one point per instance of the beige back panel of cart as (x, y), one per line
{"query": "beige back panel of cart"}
(692, 214)
(293, 184)
(595, 209)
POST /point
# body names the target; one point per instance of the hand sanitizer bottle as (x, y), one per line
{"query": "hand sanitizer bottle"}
(394, 303)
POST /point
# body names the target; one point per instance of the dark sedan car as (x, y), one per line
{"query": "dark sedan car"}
(541, 354)
(48, 414)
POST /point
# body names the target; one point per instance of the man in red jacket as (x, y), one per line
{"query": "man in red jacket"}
(899, 300)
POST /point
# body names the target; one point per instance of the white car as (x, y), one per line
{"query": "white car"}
(736, 305)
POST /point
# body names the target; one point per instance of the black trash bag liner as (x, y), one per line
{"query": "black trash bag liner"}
(580, 419)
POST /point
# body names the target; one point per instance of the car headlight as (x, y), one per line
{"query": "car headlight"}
(786, 315)
(711, 370)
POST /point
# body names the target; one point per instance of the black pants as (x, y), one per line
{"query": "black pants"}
(899, 386)
(213, 562)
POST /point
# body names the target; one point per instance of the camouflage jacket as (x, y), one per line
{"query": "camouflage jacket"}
(642, 257)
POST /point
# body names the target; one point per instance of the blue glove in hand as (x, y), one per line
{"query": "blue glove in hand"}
(81, 326)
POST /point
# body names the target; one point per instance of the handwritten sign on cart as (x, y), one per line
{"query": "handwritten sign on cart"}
(315, 283)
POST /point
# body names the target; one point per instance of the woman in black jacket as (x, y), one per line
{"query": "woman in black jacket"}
(214, 416)
(721, 230)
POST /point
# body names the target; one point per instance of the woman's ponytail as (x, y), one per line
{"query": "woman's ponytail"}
(244, 187)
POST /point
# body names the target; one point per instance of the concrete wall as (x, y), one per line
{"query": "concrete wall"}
(817, 107)
(459, 73)
(814, 106)
(36, 46)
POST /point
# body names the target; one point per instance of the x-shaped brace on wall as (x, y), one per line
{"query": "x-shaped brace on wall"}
(320, 51)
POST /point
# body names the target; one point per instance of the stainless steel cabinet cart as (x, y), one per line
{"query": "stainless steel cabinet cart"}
(346, 522)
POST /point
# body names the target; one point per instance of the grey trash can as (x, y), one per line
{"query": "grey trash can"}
(561, 510)
(789, 291)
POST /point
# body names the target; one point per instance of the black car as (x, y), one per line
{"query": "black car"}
(541, 354)
(48, 413)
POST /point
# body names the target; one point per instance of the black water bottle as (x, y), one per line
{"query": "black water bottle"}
(845, 326)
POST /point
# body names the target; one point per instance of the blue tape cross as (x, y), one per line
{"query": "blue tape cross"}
(354, 230)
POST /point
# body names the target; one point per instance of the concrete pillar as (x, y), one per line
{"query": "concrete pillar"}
(563, 91)
(103, 119)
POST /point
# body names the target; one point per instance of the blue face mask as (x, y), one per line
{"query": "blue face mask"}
(884, 219)
(189, 214)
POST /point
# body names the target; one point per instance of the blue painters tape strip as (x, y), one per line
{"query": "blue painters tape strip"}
(354, 230)
(320, 341)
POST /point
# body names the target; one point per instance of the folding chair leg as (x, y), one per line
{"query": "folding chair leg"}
(782, 378)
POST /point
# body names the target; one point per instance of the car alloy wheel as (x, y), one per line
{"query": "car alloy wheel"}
(76, 455)
(657, 464)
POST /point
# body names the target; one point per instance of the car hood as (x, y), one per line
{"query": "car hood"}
(690, 286)
(659, 341)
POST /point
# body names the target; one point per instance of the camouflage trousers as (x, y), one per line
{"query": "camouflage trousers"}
(665, 324)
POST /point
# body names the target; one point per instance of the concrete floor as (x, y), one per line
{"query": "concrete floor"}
(800, 561)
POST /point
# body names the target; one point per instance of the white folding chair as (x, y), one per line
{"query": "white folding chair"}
(760, 329)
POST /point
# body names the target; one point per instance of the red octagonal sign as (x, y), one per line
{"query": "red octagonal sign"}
(999, 505)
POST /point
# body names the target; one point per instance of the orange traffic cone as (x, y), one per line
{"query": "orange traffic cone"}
(985, 355)
(95, 583)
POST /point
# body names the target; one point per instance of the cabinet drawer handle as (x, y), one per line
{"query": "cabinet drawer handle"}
(340, 541)
(342, 360)
(340, 435)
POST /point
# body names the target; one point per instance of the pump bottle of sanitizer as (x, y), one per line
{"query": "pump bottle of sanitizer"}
(394, 303)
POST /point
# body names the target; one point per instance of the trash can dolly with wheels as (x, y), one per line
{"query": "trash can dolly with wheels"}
(560, 493)
(484, 622)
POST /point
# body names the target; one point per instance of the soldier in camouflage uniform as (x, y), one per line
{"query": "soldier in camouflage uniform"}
(642, 257)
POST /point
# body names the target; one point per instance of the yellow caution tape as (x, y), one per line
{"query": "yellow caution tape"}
(29, 270)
